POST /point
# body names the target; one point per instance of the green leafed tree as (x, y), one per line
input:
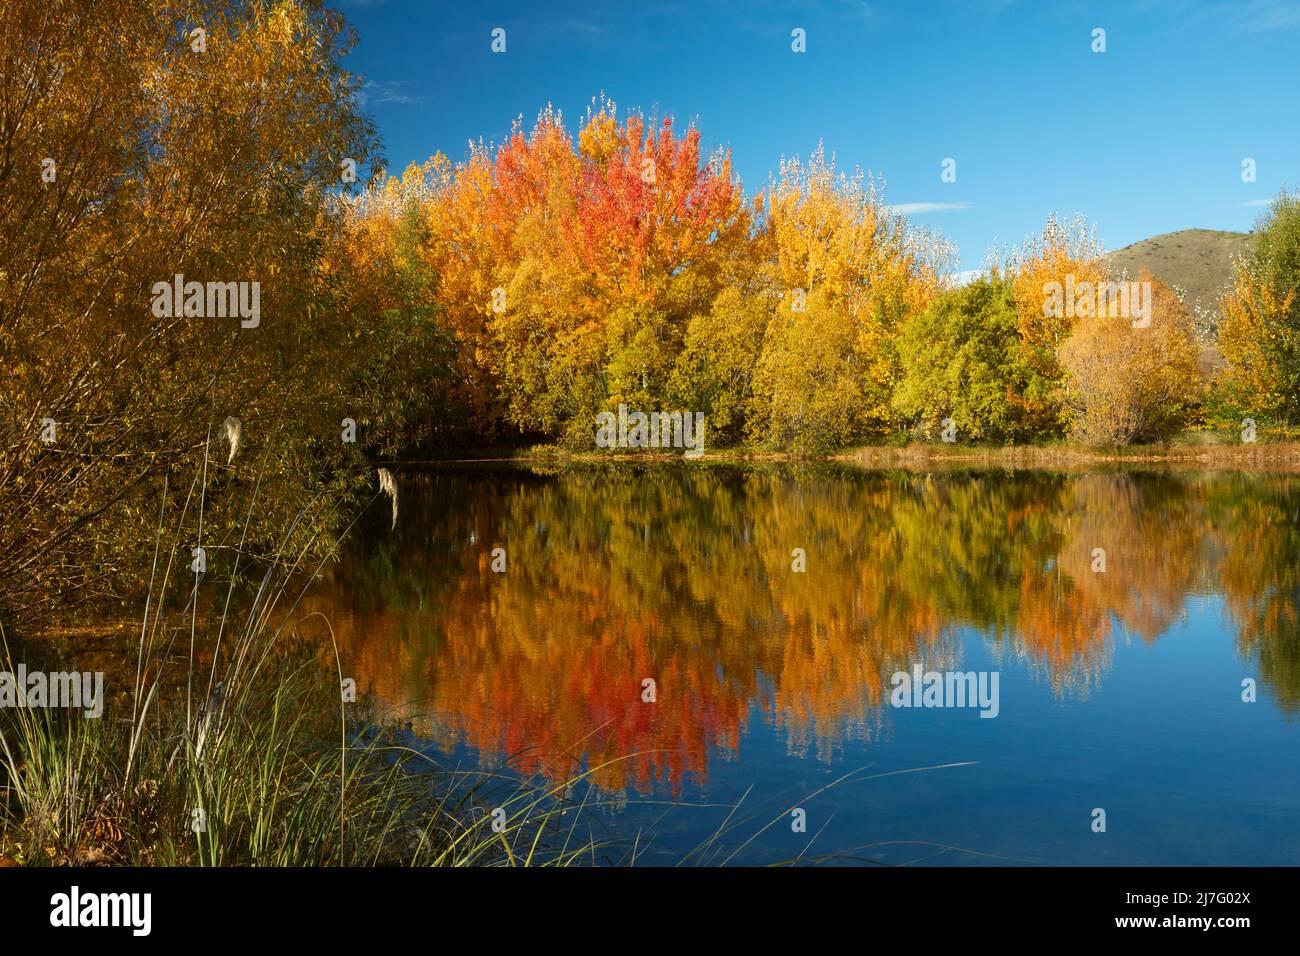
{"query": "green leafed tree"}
(964, 359)
(1260, 331)
(715, 371)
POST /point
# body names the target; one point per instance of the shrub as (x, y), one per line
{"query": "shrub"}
(1127, 384)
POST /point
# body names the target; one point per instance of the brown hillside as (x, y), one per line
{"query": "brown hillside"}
(1198, 262)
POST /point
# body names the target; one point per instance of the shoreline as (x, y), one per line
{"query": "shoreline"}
(1281, 457)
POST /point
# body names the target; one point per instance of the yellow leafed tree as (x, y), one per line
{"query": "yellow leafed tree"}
(844, 272)
(1131, 382)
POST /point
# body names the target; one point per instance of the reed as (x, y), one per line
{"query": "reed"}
(232, 745)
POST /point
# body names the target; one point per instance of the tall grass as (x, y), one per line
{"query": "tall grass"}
(233, 745)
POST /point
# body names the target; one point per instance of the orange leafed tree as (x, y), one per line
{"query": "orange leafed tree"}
(567, 270)
(1064, 256)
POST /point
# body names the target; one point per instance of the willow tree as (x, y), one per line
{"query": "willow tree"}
(142, 141)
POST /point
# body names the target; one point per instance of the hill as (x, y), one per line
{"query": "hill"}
(1198, 262)
(1195, 262)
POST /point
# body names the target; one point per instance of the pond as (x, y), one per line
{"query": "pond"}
(725, 651)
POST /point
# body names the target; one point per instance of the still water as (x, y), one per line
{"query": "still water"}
(1122, 615)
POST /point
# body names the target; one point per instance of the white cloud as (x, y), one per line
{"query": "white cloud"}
(913, 208)
(1264, 16)
(386, 91)
(1241, 16)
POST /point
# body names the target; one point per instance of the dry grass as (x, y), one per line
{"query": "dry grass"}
(1270, 457)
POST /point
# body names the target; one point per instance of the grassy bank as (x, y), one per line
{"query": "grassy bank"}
(1280, 456)
(222, 737)
(258, 764)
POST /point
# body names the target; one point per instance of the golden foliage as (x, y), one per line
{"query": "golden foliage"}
(1131, 382)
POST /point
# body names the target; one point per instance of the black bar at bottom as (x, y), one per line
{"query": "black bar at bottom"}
(659, 906)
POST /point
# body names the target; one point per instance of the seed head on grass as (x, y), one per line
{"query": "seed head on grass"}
(388, 486)
(233, 431)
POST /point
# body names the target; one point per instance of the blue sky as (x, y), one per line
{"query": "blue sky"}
(1145, 138)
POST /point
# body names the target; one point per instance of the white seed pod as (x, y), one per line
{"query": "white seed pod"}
(233, 431)
(388, 486)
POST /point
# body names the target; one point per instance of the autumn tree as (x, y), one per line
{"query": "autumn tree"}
(402, 389)
(845, 271)
(1132, 379)
(1054, 275)
(1260, 331)
(568, 270)
(150, 140)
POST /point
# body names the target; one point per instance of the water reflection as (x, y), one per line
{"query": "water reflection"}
(684, 574)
